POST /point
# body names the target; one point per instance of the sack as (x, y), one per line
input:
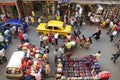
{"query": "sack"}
(114, 33)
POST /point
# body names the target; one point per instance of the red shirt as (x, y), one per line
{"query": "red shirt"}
(20, 37)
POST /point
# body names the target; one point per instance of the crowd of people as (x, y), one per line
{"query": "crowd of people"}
(72, 41)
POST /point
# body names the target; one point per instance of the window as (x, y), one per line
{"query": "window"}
(56, 28)
(49, 27)
(64, 25)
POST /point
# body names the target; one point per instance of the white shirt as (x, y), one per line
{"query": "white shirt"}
(25, 36)
(56, 36)
(39, 20)
(14, 27)
(72, 22)
(97, 55)
(41, 38)
(111, 24)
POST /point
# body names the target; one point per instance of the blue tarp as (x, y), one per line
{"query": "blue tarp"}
(16, 21)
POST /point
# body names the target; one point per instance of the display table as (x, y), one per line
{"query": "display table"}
(86, 68)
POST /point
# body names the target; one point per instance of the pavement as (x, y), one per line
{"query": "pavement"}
(107, 49)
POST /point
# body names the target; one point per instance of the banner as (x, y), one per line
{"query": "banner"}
(63, 1)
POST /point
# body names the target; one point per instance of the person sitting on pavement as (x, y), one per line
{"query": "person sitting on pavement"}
(98, 55)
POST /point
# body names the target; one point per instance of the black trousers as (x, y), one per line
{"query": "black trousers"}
(56, 41)
(115, 58)
(111, 37)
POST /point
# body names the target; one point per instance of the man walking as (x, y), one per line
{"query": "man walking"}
(41, 39)
(117, 44)
(116, 56)
(97, 33)
(56, 38)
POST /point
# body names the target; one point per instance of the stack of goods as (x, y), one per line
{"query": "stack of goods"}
(32, 62)
(59, 68)
(83, 68)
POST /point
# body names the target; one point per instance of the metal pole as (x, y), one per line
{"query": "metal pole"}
(17, 9)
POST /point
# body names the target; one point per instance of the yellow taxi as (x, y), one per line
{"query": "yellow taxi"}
(54, 26)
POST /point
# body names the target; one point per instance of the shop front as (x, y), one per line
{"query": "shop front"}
(11, 8)
(39, 7)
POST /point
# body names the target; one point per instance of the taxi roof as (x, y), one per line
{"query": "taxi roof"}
(15, 60)
(55, 23)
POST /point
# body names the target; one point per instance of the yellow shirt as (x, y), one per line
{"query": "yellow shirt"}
(32, 20)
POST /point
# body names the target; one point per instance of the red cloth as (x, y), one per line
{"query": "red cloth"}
(21, 67)
(104, 75)
(20, 37)
(28, 72)
(116, 28)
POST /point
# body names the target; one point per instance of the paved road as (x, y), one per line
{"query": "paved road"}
(103, 44)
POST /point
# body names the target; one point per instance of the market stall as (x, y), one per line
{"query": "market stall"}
(95, 19)
(86, 68)
(33, 62)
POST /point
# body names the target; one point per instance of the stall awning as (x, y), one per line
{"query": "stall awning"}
(7, 1)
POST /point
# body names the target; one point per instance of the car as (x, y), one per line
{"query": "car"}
(17, 22)
(54, 26)
(12, 69)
